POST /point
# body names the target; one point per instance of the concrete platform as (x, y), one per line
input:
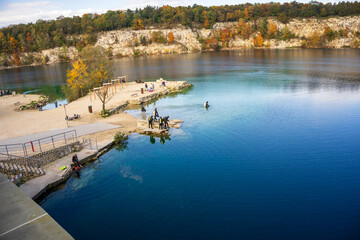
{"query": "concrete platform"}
(22, 218)
(54, 175)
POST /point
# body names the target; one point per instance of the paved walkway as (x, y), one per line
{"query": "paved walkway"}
(80, 131)
(22, 218)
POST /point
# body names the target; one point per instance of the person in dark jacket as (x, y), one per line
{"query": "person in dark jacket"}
(76, 162)
(150, 121)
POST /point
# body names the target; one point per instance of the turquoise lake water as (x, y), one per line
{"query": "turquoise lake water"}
(276, 156)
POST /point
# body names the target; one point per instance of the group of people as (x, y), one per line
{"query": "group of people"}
(40, 106)
(149, 88)
(163, 121)
(5, 92)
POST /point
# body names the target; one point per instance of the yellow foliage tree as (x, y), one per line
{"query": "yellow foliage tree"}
(138, 25)
(171, 37)
(100, 74)
(77, 77)
(258, 41)
(272, 28)
(314, 40)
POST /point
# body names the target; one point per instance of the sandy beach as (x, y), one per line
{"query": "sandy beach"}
(19, 123)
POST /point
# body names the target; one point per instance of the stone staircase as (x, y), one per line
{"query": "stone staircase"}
(28, 167)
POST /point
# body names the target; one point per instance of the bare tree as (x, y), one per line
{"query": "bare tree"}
(104, 94)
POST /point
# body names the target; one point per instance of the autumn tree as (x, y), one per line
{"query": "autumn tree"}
(138, 25)
(246, 31)
(258, 41)
(206, 20)
(100, 74)
(14, 46)
(171, 37)
(314, 40)
(77, 78)
(272, 29)
(329, 34)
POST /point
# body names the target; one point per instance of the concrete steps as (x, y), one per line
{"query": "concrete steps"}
(8, 168)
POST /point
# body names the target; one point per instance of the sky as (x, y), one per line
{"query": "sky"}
(26, 11)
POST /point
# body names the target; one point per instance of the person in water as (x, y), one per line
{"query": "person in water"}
(142, 108)
(151, 121)
(206, 105)
(76, 171)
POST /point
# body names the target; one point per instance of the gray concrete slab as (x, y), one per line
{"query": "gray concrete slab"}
(80, 130)
(22, 218)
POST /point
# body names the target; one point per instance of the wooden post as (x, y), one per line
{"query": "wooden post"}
(90, 94)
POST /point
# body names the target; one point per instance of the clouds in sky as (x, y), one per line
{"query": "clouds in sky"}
(25, 11)
(14, 13)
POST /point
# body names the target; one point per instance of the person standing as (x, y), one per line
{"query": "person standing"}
(151, 122)
(160, 123)
(166, 122)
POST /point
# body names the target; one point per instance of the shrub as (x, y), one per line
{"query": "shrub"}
(158, 37)
(143, 41)
(28, 59)
(120, 137)
(329, 34)
(105, 113)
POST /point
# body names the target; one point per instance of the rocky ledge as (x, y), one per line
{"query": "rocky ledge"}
(171, 88)
(142, 127)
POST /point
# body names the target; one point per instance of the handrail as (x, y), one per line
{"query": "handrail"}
(40, 138)
(39, 145)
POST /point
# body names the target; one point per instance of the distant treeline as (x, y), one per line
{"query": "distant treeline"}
(61, 32)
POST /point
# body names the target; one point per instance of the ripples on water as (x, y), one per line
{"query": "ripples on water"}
(276, 156)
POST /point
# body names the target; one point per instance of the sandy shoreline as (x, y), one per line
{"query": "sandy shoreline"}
(20, 123)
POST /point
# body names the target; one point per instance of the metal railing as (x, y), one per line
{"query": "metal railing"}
(39, 145)
(90, 143)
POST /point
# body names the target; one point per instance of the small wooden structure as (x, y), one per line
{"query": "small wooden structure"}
(111, 84)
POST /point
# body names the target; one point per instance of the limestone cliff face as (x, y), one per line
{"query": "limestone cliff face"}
(122, 42)
(187, 40)
(128, 42)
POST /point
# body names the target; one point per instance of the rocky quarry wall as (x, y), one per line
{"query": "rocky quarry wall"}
(121, 43)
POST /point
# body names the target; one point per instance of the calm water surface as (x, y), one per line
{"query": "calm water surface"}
(276, 156)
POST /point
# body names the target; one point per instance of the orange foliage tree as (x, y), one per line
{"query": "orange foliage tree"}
(171, 37)
(258, 41)
(14, 46)
(206, 21)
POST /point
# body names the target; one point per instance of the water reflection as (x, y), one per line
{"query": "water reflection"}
(162, 139)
